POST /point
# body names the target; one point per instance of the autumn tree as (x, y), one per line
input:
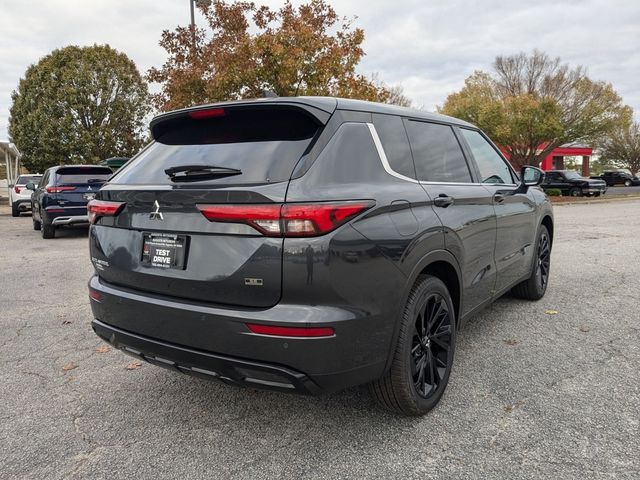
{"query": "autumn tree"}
(531, 104)
(622, 148)
(79, 105)
(249, 49)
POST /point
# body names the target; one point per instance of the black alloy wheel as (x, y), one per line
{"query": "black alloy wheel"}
(543, 263)
(423, 356)
(430, 345)
(534, 287)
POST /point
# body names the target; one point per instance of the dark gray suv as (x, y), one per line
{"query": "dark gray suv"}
(312, 244)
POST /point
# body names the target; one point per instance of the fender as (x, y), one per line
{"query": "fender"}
(543, 214)
(431, 257)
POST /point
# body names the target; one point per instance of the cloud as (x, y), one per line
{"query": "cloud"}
(427, 47)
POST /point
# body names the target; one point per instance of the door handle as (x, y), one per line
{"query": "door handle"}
(498, 198)
(443, 200)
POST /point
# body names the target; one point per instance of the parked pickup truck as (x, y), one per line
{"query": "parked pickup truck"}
(573, 184)
(618, 177)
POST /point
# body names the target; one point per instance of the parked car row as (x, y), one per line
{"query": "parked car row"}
(304, 245)
(573, 184)
(59, 197)
(62, 195)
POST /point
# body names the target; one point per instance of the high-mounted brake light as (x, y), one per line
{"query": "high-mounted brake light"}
(291, 331)
(59, 189)
(103, 208)
(289, 219)
(207, 113)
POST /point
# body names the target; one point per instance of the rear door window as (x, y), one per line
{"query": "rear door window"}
(552, 177)
(436, 152)
(263, 143)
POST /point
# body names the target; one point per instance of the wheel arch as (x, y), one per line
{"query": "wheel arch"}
(547, 221)
(441, 264)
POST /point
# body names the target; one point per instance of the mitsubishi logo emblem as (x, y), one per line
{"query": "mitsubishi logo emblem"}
(156, 214)
(89, 188)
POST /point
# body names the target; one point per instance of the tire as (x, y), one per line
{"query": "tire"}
(14, 210)
(597, 194)
(627, 183)
(48, 230)
(535, 286)
(420, 363)
(575, 192)
(36, 224)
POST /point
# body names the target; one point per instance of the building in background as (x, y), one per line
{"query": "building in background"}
(9, 166)
(555, 159)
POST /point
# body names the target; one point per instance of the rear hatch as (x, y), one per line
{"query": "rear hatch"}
(20, 188)
(159, 241)
(74, 186)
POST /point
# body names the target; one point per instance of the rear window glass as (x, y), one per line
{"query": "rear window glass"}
(265, 144)
(24, 179)
(83, 175)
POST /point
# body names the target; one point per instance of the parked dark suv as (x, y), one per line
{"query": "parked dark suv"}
(62, 195)
(618, 177)
(311, 244)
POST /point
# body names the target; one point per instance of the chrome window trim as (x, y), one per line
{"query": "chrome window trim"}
(383, 156)
(385, 163)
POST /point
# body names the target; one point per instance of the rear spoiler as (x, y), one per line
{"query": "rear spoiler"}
(319, 109)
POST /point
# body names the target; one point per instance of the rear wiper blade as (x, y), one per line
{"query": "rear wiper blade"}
(195, 173)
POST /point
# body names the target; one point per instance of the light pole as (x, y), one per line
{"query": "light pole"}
(192, 7)
(192, 4)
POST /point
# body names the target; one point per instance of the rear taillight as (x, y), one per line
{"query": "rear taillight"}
(59, 189)
(289, 219)
(103, 208)
(16, 189)
(95, 295)
(291, 331)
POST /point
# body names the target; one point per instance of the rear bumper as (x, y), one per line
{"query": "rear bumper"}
(589, 190)
(69, 219)
(23, 204)
(233, 371)
(215, 343)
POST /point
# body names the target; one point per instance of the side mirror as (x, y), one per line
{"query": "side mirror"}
(31, 186)
(531, 176)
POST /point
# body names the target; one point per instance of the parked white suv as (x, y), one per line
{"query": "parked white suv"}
(19, 195)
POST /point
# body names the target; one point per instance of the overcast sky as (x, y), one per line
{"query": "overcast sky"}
(428, 47)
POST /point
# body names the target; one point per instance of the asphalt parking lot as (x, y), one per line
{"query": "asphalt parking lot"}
(539, 390)
(621, 190)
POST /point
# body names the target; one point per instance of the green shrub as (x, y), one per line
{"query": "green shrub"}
(554, 192)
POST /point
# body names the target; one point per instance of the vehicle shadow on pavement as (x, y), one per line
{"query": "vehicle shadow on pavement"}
(72, 232)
